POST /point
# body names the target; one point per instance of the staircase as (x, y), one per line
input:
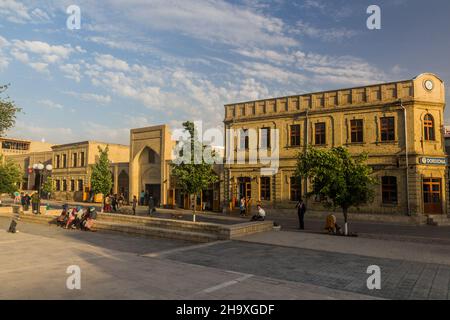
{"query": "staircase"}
(438, 220)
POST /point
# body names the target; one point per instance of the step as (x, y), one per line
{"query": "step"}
(438, 220)
(155, 232)
(181, 225)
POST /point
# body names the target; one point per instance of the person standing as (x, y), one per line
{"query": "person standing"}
(35, 202)
(141, 198)
(151, 205)
(134, 205)
(242, 207)
(301, 210)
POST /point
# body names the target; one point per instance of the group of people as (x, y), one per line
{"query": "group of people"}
(245, 206)
(77, 218)
(148, 201)
(114, 202)
(26, 200)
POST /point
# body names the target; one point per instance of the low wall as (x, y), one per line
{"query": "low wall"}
(157, 227)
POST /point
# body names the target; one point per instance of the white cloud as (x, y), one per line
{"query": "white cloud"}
(17, 12)
(90, 97)
(71, 71)
(329, 35)
(50, 104)
(212, 20)
(110, 62)
(39, 66)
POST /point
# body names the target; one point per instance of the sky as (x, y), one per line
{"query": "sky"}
(138, 63)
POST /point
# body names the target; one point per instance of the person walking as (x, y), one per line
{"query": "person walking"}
(134, 204)
(301, 210)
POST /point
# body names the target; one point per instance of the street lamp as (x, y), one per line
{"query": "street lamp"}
(40, 169)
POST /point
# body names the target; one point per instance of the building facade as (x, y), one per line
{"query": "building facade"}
(151, 154)
(399, 125)
(72, 168)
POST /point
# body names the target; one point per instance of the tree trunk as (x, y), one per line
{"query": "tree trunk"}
(345, 212)
(195, 207)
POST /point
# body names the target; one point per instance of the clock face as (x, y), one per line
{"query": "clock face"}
(428, 85)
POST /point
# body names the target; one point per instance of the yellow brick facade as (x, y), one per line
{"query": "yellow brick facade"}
(419, 99)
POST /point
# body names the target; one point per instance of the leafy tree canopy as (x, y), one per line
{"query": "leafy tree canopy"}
(338, 178)
(10, 176)
(101, 178)
(194, 176)
(8, 111)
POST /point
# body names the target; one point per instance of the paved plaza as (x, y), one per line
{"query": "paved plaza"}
(274, 265)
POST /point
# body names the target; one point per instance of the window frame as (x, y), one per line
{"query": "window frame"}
(387, 133)
(265, 188)
(320, 133)
(388, 189)
(295, 135)
(429, 133)
(357, 130)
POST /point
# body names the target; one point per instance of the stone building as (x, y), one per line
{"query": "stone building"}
(399, 125)
(10, 146)
(72, 168)
(150, 170)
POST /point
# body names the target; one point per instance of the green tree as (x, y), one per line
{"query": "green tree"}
(101, 178)
(47, 187)
(8, 111)
(193, 174)
(10, 176)
(338, 178)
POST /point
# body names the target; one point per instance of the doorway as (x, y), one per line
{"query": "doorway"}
(432, 196)
(245, 188)
(155, 191)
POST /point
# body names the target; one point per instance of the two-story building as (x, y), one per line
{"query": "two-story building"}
(399, 125)
(72, 168)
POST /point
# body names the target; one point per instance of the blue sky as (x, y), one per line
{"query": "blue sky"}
(137, 63)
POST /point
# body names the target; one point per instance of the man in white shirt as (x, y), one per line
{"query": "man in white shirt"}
(261, 215)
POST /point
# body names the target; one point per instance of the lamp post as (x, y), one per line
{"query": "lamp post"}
(40, 169)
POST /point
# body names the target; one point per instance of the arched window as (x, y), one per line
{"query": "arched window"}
(428, 126)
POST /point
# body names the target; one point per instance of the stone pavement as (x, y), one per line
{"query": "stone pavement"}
(34, 263)
(274, 265)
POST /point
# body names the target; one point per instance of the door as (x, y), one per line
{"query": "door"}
(432, 196)
(245, 188)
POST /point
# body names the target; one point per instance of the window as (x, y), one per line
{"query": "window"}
(388, 129)
(82, 159)
(265, 138)
(80, 185)
(72, 185)
(265, 188)
(320, 133)
(295, 135)
(356, 127)
(75, 160)
(57, 161)
(428, 126)
(64, 160)
(389, 189)
(243, 143)
(64, 185)
(296, 187)
(58, 185)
